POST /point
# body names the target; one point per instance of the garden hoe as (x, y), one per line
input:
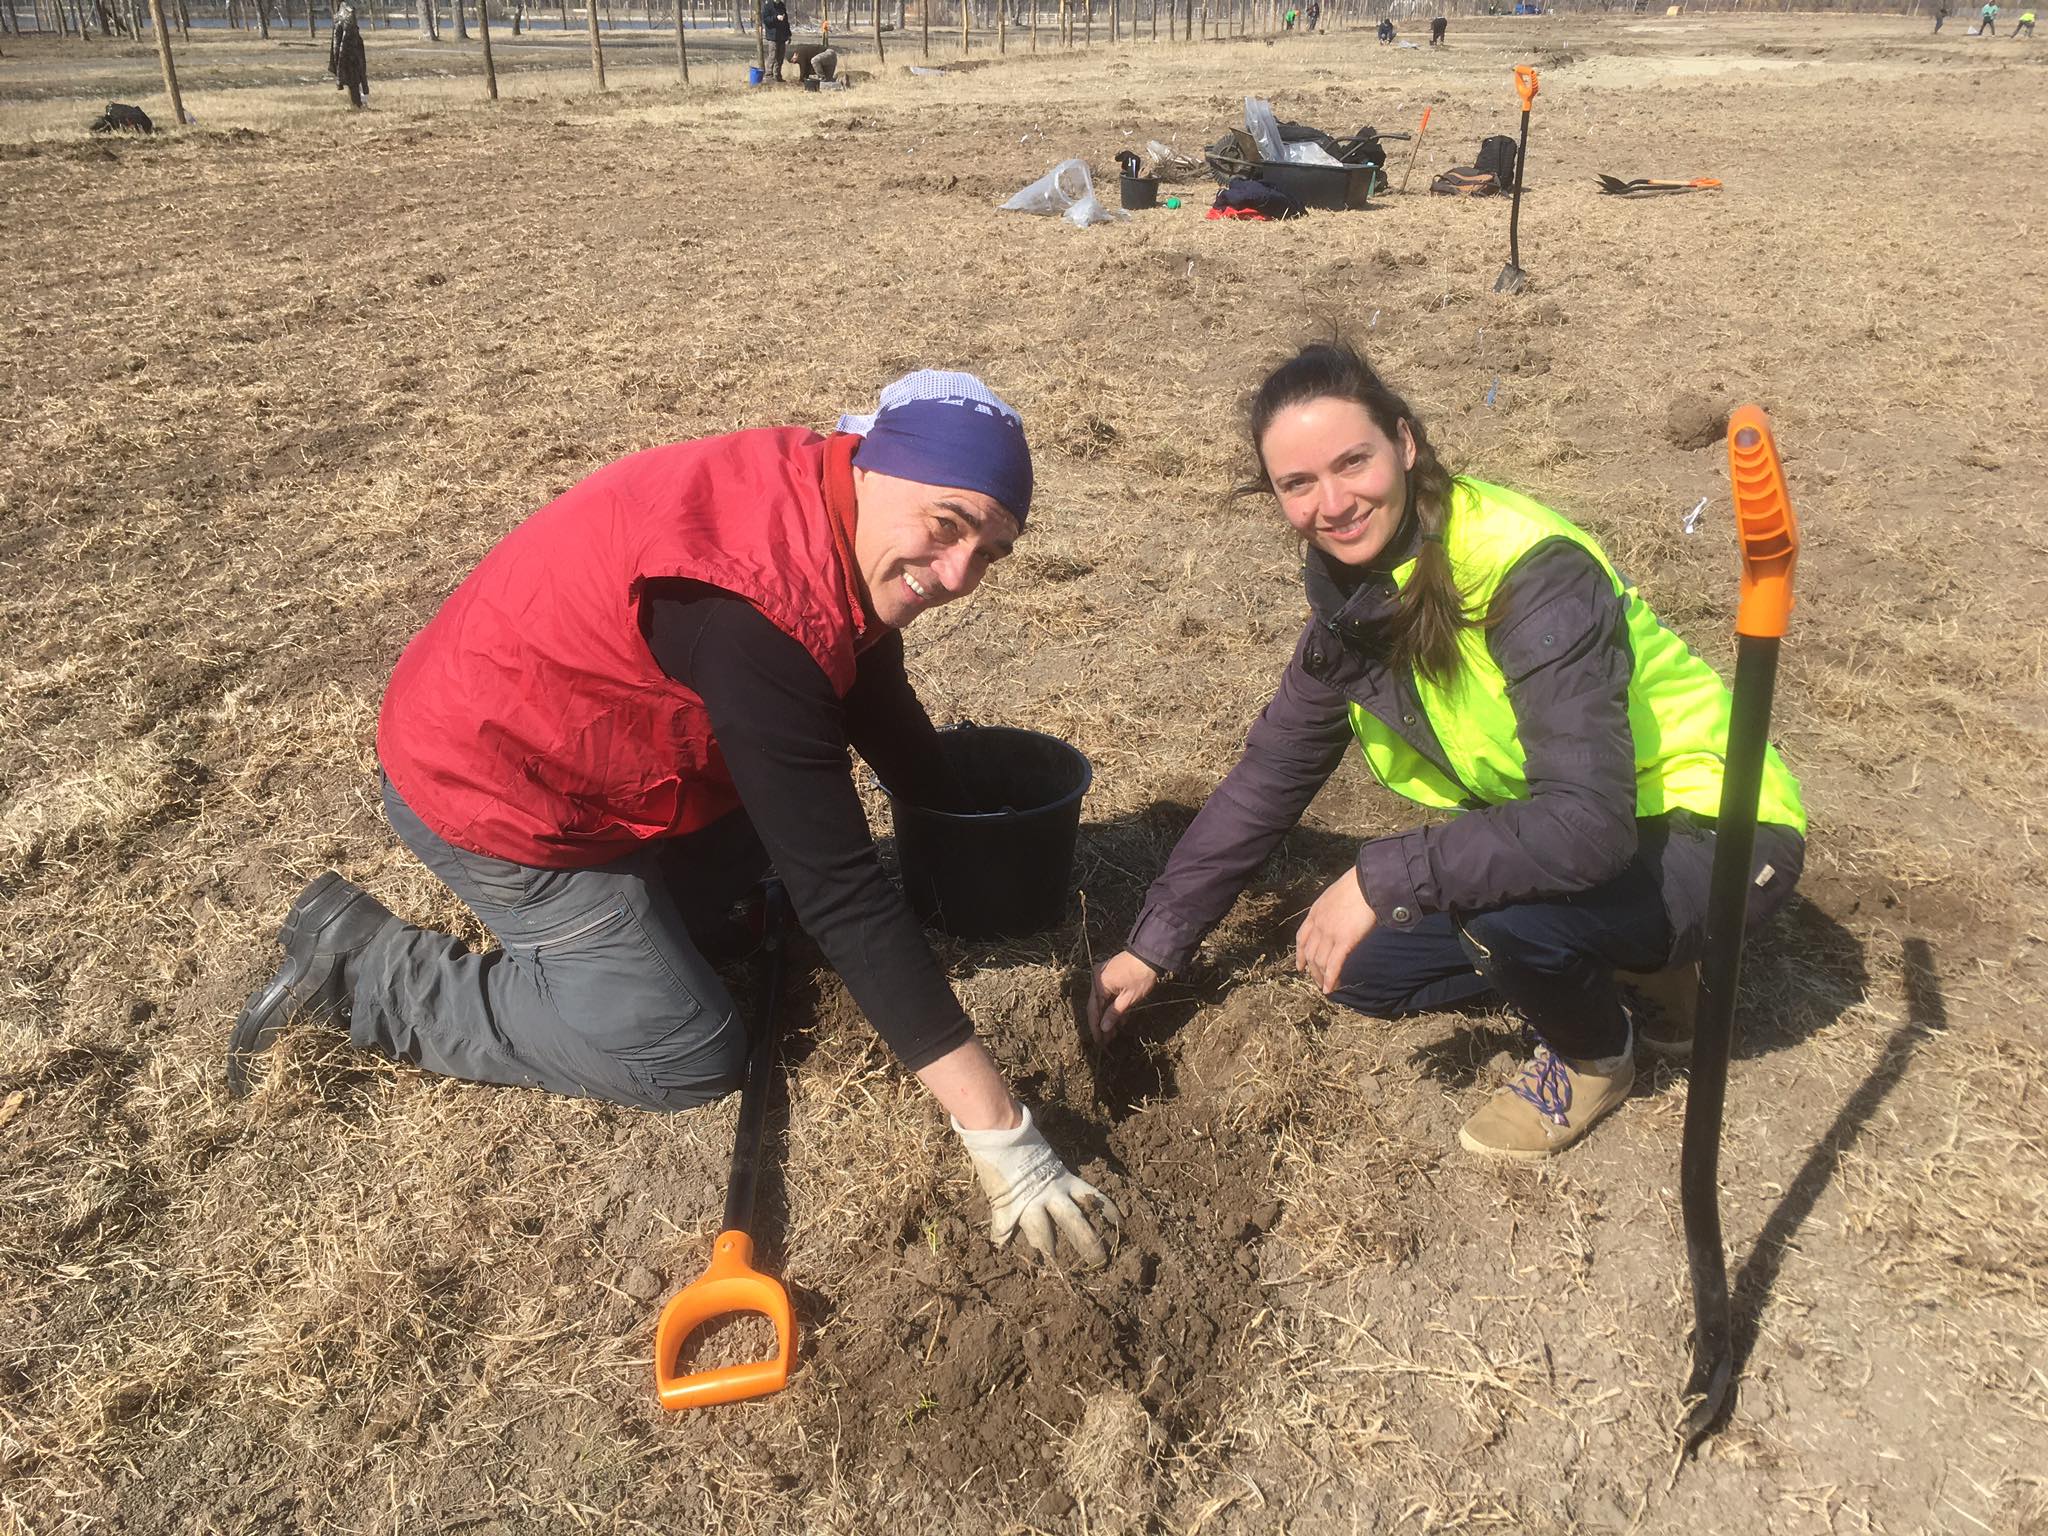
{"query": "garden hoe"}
(731, 1283)
(1512, 276)
(1769, 536)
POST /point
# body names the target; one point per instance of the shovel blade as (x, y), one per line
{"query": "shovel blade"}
(1706, 1394)
(1510, 280)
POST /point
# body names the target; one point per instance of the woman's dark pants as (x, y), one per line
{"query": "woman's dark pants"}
(1553, 961)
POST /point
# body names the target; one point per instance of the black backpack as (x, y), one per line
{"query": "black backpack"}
(1497, 154)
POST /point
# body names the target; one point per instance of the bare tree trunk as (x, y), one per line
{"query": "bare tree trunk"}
(964, 44)
(682, 47)
(564, 4)
(596, 46)
(263, 19)
(163, 55)
(924, 17)
(483, 32)
(461, 21)
(880, 56)
(428, 30)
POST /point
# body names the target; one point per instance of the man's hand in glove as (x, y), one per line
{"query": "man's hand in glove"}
(1029, 1187)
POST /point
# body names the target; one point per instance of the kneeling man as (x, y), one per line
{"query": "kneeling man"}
(638, 702)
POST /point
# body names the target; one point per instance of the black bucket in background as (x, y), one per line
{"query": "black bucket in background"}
(1139, 191)
(1000, 868)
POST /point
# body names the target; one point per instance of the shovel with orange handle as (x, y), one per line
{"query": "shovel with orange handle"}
(1769, 536)
(731, 1284)
(1512, 276)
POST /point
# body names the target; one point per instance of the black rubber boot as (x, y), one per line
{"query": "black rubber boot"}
(324, 934)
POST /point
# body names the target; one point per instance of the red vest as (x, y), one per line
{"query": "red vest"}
(529, 721)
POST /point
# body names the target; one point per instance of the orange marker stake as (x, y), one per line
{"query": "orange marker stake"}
(1418, 147)
(1769, 536)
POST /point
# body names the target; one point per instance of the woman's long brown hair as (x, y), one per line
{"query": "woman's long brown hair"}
(1424, 630)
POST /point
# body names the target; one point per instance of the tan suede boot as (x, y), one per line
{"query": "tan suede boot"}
(1662, 1008)
(1548, 1105)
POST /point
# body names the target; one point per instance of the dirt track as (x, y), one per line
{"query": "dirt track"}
(272, 386)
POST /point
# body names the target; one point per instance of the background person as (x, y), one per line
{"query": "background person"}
(640, 698)
(1438, 26)
(775, 30)
(345, 58)
(820, 59)
(1484, 656)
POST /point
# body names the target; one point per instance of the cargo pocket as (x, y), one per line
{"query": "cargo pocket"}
(628, 1010)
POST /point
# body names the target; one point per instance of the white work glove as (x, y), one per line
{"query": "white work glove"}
(1028, 1186)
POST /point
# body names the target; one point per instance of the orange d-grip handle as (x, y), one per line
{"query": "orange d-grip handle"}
(729, 1284)
(1525, 82)
(1763, 522)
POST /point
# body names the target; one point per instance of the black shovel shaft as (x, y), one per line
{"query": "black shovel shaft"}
(1515, 212)
(746, 1142)
(1756, 671)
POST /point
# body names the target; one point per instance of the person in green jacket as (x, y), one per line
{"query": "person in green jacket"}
(1488, 663)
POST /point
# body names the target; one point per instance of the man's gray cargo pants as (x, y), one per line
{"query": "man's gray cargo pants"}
(599, 988)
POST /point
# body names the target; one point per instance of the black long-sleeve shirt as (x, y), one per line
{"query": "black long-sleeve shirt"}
(784, 736)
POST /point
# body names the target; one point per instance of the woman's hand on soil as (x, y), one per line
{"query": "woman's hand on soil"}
(1336, 925)
(1029, 1187)
(1121, 983)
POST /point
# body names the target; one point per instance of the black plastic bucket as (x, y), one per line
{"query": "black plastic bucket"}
(1002, 868)
(1139, 191)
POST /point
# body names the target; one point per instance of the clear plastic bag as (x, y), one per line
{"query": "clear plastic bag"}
(1169, 164)
(1264, 128)
(1307, 153)
(1068, 190)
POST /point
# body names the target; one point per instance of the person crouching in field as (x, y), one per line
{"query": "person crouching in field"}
(1487, 660)
(641, 699)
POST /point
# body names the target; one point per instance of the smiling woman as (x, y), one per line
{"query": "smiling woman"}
(1486, 659)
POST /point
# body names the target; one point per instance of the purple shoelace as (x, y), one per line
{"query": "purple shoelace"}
(1545, 1083)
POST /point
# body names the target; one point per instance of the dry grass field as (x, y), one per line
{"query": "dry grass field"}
(273, 383)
